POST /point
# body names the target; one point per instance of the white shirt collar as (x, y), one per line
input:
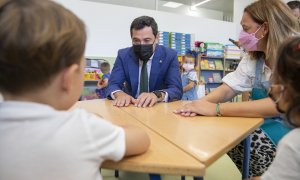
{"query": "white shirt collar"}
(20, 109)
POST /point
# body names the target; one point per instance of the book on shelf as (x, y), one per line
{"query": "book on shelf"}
(211, 65)
(219, 65)
(204, 64)
(217, 77)
(210, 79)
(214, 53)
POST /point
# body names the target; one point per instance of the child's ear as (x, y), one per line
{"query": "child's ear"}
(68, 77)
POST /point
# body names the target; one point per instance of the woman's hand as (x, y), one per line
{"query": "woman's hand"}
(199, 107)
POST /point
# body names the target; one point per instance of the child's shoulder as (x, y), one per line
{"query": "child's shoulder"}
(107, 75)
(192, 72)
(188, 72)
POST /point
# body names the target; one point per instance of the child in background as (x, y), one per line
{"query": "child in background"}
(103, 82)
(189, 78)
(42, 48)
(285, 92)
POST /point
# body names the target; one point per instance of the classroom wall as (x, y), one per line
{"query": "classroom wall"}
(158, 5)
(199, 12)
(108, 25)
(238, 10)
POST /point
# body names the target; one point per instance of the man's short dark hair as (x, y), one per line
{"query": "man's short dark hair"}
(294, 4)
(141, 22)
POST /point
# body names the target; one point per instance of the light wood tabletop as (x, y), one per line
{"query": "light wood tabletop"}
(205, 138)
(162, 157)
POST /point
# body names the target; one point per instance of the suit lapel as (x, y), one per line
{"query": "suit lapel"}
(133, 67)
(155, 67)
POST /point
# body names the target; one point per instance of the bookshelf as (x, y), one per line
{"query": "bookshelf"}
(211, 71)
(181, 42)
(230, 65)
(232, 57)
(91, 77)
(216, 61)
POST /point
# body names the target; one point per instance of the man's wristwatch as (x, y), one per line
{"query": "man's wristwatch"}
(158, 94)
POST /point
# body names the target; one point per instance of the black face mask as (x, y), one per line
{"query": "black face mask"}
(143, 52)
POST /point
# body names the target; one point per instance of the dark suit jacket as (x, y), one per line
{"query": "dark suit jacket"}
(164, 75)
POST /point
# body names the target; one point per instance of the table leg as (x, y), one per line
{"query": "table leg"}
(198, 178)
(116, 173)
(154, 177)
(182, 177)
(246, 161)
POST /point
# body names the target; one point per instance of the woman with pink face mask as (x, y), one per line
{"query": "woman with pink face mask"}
(189, 78)
(266, 24)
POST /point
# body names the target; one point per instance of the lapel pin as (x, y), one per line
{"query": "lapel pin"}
(160, 61)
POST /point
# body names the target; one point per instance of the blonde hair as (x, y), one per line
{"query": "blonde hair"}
(282, 24)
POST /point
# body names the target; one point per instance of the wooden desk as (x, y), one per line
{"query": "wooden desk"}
(161, 158)
(205, 138)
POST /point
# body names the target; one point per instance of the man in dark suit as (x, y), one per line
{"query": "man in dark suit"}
(145, 73)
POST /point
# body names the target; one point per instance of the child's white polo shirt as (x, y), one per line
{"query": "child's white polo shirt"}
(286, 164)
(39, 142)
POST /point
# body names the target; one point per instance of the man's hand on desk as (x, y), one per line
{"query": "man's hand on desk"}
(201, 107)
(146, 99)
(123, 99)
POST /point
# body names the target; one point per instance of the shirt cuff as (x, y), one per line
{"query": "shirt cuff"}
(112, 94)
(166, 97)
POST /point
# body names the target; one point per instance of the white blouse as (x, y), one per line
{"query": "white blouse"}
(242, 79)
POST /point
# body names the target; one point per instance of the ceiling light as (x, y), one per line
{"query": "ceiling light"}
(172, 4)
(200, 3)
